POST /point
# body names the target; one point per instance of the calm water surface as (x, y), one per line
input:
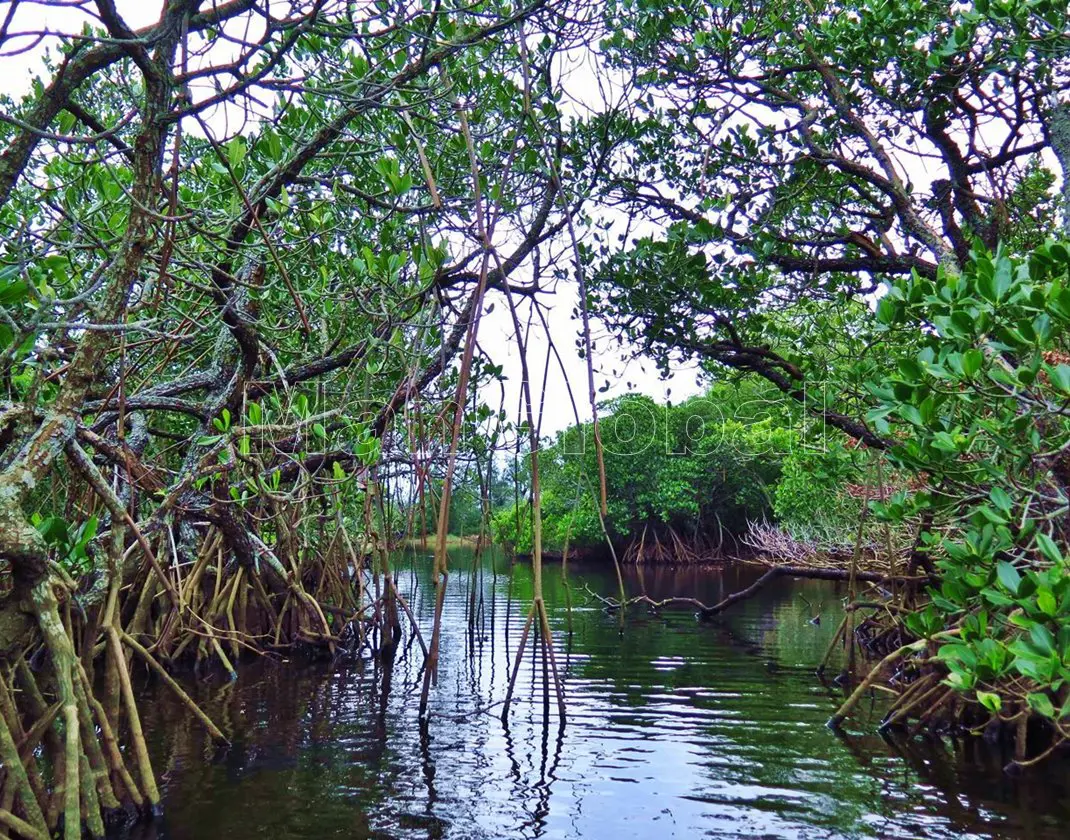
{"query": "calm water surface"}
(676, 728)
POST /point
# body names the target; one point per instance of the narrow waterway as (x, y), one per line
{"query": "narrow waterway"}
(676, 728)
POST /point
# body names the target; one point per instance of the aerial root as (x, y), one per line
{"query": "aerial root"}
(536, 611)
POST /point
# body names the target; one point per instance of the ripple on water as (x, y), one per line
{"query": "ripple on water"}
(676, 728)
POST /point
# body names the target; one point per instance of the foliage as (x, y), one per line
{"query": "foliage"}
(777, 150)
(71, 544)
(230, 285)
(981, 409)
(238, 253)
(701, 469)
(467, 498)
(235, 283)
(511, 526)
(811, 502)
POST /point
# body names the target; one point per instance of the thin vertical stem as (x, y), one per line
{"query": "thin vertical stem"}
(517, 661)
(141, 752)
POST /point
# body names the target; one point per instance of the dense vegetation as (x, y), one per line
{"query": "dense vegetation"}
(246, 252)
(803, 164)
(684, 481)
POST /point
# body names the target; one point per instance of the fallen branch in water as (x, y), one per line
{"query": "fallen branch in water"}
(707, 611)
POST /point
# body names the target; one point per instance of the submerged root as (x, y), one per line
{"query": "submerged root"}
(72, 748)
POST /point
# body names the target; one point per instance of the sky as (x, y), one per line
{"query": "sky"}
(616, 372)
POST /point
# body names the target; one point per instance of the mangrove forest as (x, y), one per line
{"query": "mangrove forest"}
(534, 418)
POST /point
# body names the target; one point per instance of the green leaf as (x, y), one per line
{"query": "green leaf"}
(958, 653)
(887, 310)
(54, 530)
(986, 287)
(910, 369)
(1008, 576)
(960, 680)
(990, 701)
(1048, 548)
(1041, 704)
(236, 152)
(13, 292)
(963, 322)
(1059, 304)
(1042, 639)
(996, 598)
(910, 414)
(88, 530)
(991, 515)
(1004, 276)
(1046, 602)
(1000, 499)
(972, 360)
(1060, 377)
(1033, 667)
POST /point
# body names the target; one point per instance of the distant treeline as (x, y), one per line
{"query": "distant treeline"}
(690, 478)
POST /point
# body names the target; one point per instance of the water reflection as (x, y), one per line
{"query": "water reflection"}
(675, 728)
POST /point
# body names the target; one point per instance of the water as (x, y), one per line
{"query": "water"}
(676, 728)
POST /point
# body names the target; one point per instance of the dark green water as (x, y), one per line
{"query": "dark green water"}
(676, 729)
